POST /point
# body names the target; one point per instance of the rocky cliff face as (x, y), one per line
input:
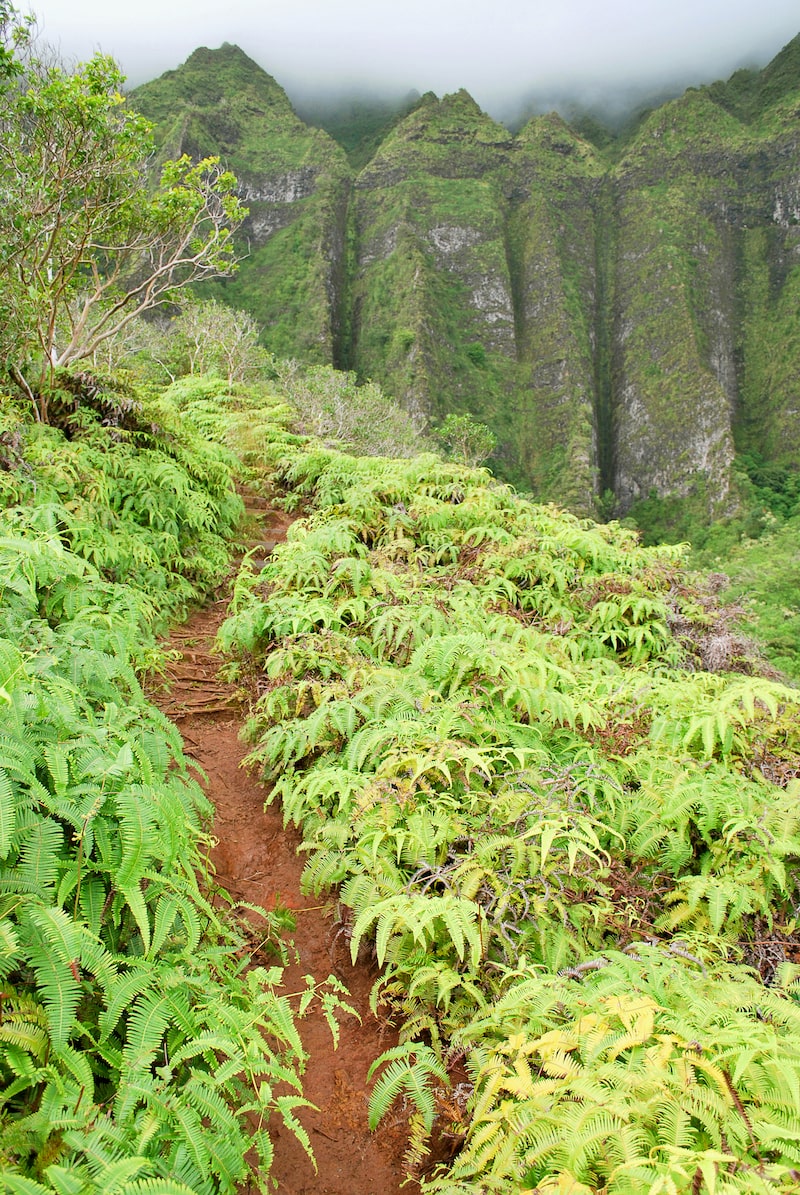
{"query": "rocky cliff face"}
(552, 187)
(673, 376)
(625, 320)
(296, 183)
(705, 310)
(431, 295)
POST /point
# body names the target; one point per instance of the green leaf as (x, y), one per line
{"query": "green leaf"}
(136, 831)
(17, 1184)
(8, 814)
(55, 961)
(136, 903)
(147, 1022)
(121, 994)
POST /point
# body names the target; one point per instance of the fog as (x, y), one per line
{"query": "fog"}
(504, 52)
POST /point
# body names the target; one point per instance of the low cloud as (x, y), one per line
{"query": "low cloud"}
(502, 51)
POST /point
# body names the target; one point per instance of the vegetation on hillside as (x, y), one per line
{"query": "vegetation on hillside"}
(572, 840)
(754, 553)
(554, 793)
(135, 1044)
(622, 315)
(140, 1051)
(573, 847)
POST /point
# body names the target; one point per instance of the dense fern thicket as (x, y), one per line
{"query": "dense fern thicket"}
(137, 1052)
(571, 843)
(120, 484)
(574, 848)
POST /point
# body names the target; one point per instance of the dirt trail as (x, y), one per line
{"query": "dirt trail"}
(256, 861)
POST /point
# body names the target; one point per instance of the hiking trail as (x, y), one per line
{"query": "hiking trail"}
(256, 861)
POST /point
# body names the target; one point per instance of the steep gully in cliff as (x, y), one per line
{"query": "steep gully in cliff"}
(603, 344)
(345, 349)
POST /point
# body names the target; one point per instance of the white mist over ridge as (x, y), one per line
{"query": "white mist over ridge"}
(509, 54)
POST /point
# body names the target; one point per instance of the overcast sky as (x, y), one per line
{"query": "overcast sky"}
(500, 50)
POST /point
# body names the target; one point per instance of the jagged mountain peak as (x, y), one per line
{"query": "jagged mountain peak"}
(461, 101)
(624, 317)
(781, 77)
(553, 134)
(208, 79)
(228, 52)
(454, 110)
(455, 119)
(748, 94)
(694, 122)
(219, 101)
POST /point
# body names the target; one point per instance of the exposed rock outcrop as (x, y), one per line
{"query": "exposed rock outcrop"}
(625, 319)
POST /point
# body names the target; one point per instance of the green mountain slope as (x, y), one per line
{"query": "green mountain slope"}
(429, 261)
(294, 180)
(554, 195)
(624, 319)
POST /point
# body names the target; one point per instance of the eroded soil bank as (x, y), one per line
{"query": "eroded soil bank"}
(256, 861)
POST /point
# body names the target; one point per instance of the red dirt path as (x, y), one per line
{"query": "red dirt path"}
(256, 861)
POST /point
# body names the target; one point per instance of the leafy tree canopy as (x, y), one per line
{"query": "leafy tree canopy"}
(89, 236)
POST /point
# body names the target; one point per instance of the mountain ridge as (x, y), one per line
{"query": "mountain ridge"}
(622, 316)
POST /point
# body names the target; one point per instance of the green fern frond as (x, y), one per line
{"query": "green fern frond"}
(17, 1184)
(155, 1186)
(147, 1021)
(286, 1104)
(8, 814)
(55, 959)
(122, 993)
(410, 1072)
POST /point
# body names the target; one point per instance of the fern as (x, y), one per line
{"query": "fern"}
(444, 920)
(409, 1072)
(493, 748)
(100, 834)
(55, 958)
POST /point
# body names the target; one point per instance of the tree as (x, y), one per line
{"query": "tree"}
(89, 238)
(468, 441)
(330, 404)
(214, 338)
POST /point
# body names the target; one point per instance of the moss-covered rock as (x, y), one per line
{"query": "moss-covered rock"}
(294, 180)
(624, 319)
